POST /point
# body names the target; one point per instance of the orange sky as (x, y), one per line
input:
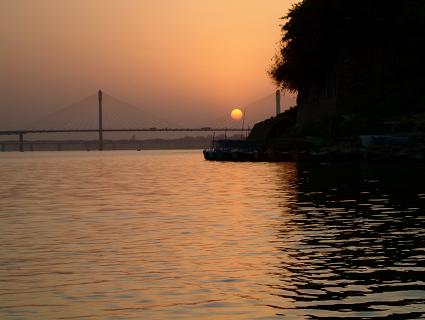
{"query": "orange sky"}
(184, 58)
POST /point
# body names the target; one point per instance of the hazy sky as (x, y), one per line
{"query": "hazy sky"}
(187, 59)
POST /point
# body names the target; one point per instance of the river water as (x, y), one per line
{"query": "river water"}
(167, 235)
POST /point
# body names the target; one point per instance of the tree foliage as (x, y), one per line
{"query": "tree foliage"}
(316, 33)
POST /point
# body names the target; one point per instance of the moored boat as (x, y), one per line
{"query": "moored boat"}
(232, 150)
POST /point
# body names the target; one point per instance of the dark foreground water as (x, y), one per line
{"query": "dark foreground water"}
(167, 235)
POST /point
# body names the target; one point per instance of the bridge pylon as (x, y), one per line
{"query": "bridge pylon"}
(21, 142)
(100, 121)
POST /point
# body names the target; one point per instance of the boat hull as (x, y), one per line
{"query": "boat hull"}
(231, 155)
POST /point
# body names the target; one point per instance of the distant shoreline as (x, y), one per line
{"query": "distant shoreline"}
(108, 145)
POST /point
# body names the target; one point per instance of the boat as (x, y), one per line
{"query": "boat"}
(232, 150)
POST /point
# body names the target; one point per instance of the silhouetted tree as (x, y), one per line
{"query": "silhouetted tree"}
(379, 45)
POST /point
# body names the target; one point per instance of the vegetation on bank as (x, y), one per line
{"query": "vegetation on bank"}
(358, 68)
(321, 35)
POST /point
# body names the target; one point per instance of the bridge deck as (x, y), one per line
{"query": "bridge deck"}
(19, 132)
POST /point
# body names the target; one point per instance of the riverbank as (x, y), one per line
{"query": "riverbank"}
(340, 138)
(89, 145)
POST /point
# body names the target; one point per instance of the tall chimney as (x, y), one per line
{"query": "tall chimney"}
(100, 121)
(277, 102)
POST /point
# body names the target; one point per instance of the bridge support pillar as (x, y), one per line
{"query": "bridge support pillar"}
(100, 121)
(21, 142)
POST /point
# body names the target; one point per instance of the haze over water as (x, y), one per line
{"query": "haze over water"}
(167, 235)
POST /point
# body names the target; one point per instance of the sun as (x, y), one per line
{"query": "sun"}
(236, 114)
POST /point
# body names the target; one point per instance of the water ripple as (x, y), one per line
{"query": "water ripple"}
(166, 235)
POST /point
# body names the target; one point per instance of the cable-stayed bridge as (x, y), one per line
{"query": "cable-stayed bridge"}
(100, 113)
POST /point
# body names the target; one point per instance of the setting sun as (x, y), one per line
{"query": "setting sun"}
(236, 114)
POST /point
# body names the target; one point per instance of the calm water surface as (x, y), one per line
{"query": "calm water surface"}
(167, 235)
